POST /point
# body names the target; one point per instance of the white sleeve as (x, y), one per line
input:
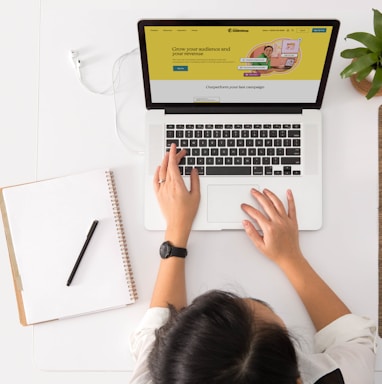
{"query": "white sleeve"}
(351, 342)
(142, 340)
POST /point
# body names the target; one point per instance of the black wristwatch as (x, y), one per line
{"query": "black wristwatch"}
(167, 250)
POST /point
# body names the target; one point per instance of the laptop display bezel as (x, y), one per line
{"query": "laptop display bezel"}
(237, 107)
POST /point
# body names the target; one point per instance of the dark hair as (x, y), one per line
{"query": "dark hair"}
(217, 339)
(268, 46)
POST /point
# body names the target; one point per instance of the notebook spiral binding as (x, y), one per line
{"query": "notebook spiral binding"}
(121, 235)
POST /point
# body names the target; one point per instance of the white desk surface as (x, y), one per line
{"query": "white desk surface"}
(64, 129)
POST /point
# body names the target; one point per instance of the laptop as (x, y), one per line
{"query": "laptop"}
(227, 92)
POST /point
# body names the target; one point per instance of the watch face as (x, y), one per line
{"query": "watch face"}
(165, 250)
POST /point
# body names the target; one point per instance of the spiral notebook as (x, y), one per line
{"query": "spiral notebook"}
(46, 224)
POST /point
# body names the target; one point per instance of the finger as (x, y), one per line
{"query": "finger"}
(265, 202)
(253, 234)
(292, 212)
(163, 168)
(195, 182)
(277, 203)
(254, 214)
(180, 155)
(172, 169)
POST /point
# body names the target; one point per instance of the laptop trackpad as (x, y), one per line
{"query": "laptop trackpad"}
(224, 202)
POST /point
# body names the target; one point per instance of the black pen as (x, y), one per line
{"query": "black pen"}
(79, 258)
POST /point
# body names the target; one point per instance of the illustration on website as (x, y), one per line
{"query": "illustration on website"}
(278, 56)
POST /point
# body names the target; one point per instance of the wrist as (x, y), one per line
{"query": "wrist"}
(177, 238)
(292, 262)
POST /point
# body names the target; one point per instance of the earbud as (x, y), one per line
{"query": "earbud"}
(76, 59)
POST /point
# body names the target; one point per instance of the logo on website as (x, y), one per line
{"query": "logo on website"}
(237, 30)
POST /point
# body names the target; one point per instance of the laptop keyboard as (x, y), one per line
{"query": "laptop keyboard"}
(238, 149)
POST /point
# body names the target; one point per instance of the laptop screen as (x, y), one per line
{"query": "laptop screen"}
(221, 63)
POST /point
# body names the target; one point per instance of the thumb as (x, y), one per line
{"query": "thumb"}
(195, 182)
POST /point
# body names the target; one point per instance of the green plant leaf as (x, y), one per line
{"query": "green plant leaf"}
(367, 39)
(355, 52)
(376, 84)
(377, 23)
(360, 64)
(363, 74)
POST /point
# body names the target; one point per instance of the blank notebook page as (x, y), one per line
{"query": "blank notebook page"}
(49, 222)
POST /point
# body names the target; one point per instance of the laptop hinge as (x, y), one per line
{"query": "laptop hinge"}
(234, 110)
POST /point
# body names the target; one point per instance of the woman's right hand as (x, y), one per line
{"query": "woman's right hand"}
(279, 240)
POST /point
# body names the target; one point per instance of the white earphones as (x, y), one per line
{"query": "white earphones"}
(114, 87)
(75, 57)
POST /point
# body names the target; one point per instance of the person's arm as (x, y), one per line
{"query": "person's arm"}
(179, 206)
(280, 243)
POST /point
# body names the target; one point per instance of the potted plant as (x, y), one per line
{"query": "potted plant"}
(366, 60)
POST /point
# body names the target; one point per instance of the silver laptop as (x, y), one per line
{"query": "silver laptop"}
(225, 90)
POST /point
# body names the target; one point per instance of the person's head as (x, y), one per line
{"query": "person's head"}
(268, 49)
(222, 338)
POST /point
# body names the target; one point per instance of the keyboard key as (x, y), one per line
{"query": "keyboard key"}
(293, 152)
(258, 171)
(171, 141)
(290, 160)
(268, 170)
(261, 152)
(294, 133)
(287, 171)
(234, 170)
